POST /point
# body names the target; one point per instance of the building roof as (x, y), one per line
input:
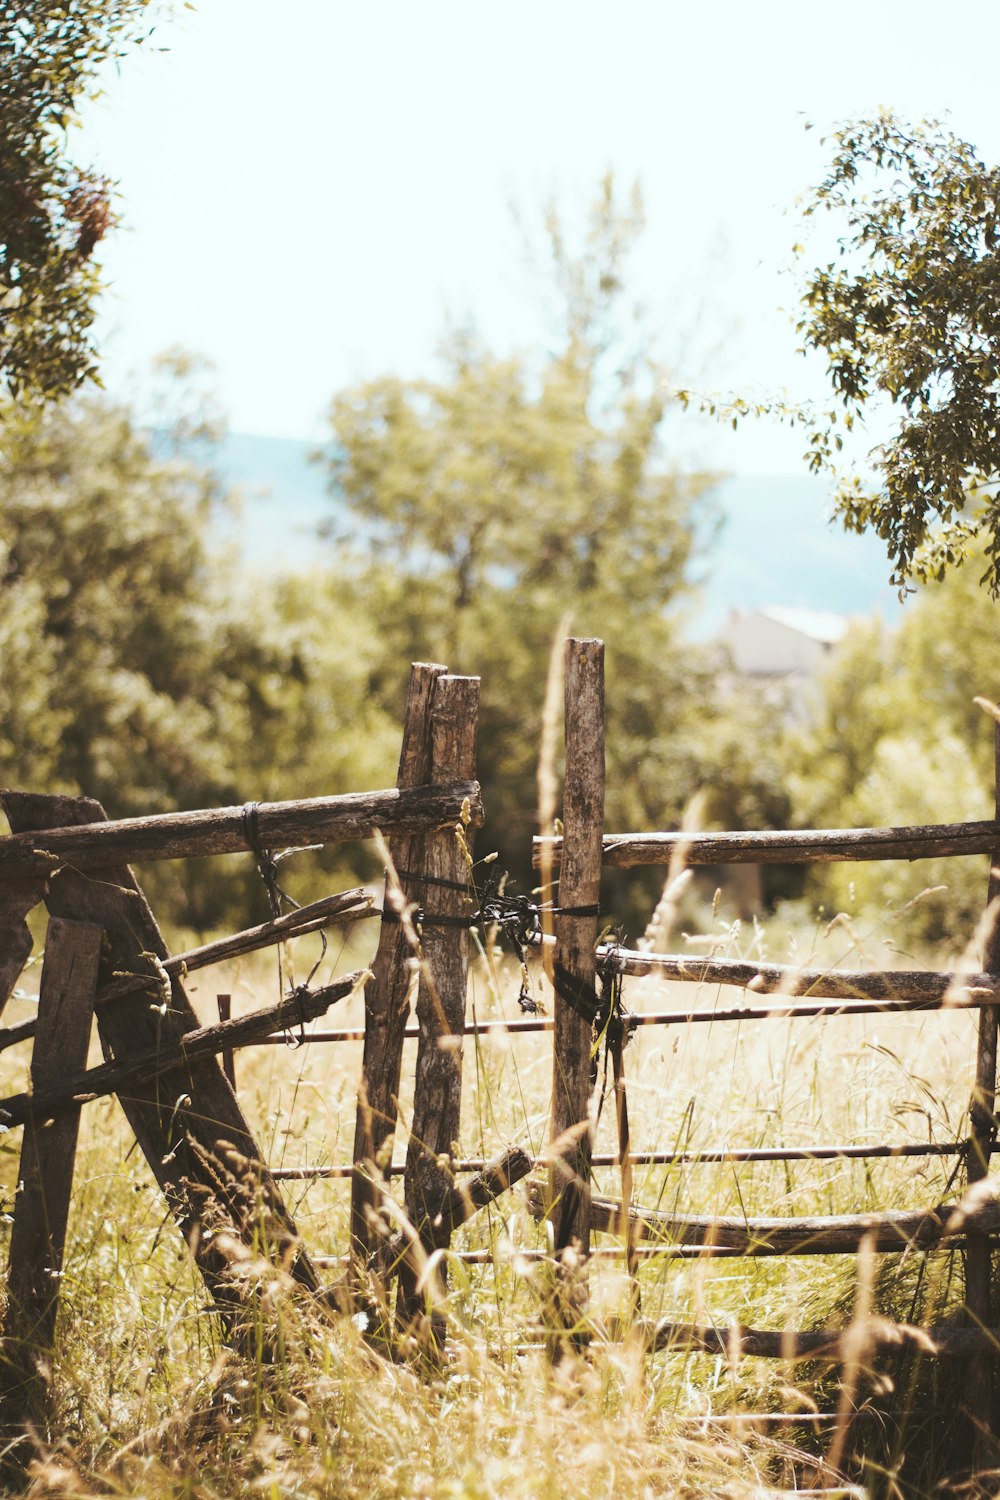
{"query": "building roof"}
(816, 624)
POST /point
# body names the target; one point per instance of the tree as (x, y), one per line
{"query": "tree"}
(909, 315)
(141, 669)
(512, 490)
(53, 213)
(892, 736)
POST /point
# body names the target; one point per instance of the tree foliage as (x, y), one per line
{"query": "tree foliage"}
(141, 668)
(893, 736)
(53, 212)
(512, 491)
(909, 314)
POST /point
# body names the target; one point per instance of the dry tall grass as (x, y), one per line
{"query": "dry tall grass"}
(149, 1401)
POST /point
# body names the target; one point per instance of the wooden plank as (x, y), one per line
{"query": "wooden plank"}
(980, 1397)
(387, 1007)
(17, 899)
(188, 1122)
(465, 1199)
(71, 1089)
(824, 1343)
(623, 851)
(329, 911)
(441, 997)
(223, 830)
(826, 1234)
(45, 1174)
(575, 942)
(910, 989)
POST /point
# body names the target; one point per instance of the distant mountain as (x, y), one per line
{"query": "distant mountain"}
(775, 545)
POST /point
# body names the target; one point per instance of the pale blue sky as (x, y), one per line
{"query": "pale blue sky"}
(310, 188)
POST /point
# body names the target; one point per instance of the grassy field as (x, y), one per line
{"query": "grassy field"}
(149, 1400)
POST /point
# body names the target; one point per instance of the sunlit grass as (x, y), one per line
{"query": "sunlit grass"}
(149, 1400)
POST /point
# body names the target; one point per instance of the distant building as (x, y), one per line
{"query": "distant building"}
(778, 642)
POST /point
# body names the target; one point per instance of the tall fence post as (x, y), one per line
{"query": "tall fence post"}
(981, 1378)
(187, 1121)
(45, 1175)
(441, 1007)
(574, 969)
(387, 1009)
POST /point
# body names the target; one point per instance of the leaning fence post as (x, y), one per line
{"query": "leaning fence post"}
(981, 1377)
(387, 1005)
(45, 1174)
(441, 1002)
(574, 970)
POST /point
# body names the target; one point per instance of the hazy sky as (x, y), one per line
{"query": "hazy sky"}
(310, 188)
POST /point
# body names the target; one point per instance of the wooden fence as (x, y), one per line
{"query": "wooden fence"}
(104, 951)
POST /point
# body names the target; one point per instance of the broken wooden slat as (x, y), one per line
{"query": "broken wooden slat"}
(45, 1174)
(442, 990)
(464, 1199)
(68, 1091)
(188, 1122)
(348, 906)
(825, 1234)
(387, 1000)
(825, 1343)
(16, 901)
(224, 830)
(912, 988)
(624, 851)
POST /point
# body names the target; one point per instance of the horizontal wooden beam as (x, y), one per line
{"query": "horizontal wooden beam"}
(206, 1041)
(825, 1343)
(827, 1234)
(329, 911)
(232, 830)
(622, 851)
(876, 989)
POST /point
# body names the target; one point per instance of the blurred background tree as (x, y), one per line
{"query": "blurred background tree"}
(891, 735)
(141, 667)
(512, 490)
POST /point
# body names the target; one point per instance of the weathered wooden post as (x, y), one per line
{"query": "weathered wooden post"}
(981, 1380)
(576, 927)
(45, 1176)
(387, 1008)
(187, 1120)
(441, 1003)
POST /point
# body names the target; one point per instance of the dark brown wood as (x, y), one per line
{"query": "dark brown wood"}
(330, 911)
(828, 1234)
(574, 966)
(910, 989)
(387, 1006)
(175, 1053)
(623, 851)
(225, 1008)
(187, 1122)
(824, 1343)
(45, 1174)
(16, 901)
(465, 1199)
(223, 830)
(441, 998)
(982, 1374)
(11, 1035)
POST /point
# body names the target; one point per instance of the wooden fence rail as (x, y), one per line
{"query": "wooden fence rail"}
(235, 830)
(428, 820)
